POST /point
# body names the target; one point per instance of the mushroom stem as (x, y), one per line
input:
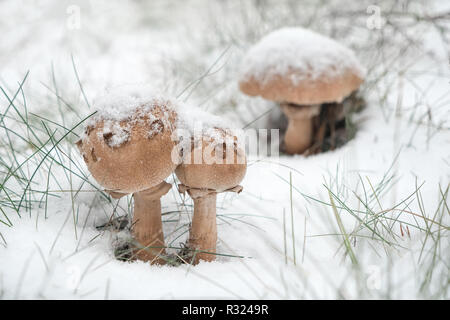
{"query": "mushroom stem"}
(298, 136)
(203, 233)
(299, 133)
(147, 223)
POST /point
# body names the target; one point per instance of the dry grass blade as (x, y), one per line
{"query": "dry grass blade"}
(345, 237)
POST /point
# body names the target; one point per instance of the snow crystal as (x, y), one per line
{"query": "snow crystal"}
(307, 53)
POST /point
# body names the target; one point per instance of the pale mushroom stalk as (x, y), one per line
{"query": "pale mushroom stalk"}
(203, 233)
(300, 130)
(147, 227)
(147, 222)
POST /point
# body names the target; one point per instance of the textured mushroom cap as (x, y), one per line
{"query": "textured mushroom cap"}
(131, 155)
(222, 166)
(293, 111)
(300, 66)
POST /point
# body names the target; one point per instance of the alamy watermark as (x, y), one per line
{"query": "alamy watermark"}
(223, 146)
(374, 21)
(373, 277)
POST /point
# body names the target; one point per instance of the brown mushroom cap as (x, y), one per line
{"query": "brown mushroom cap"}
(300, 66)
(307, 91)
(214, 176)
(141, 161)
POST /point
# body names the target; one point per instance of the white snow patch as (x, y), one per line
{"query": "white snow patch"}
(121, 102)
(132, 102)
(42, 258)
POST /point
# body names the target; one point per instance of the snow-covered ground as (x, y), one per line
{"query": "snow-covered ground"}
(279, 238)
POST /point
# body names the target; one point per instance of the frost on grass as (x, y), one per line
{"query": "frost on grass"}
(301, 53)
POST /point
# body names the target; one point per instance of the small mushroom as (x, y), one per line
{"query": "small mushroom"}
(222, 167)
(137, 165)
(301, 70)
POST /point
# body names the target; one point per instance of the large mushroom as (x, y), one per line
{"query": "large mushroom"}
(301, 70)
(213, 163)
(127, 149)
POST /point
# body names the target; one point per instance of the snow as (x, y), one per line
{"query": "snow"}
(114, 134)
(132, 102)
(120, 107)
(121, 102)
(55, 251)
(301, 54)
(193, 119)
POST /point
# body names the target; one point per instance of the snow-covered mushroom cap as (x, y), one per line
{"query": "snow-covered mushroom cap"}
(127, 144)
(222, 165)
(300, 66)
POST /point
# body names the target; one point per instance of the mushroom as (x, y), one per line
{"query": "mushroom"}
(301, 70)
(133, 156)
(220, 167)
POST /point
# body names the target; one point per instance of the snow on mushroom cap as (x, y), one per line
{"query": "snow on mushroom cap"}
(194, 125)
(126, 103)
(305, 52)
(131, 102)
